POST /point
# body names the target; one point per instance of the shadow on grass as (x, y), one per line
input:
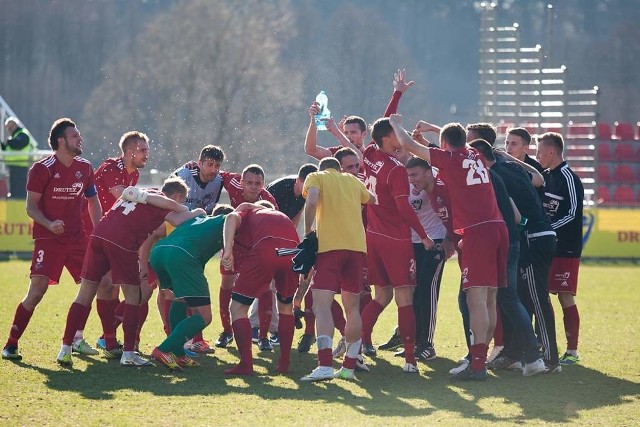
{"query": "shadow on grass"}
(386, 391)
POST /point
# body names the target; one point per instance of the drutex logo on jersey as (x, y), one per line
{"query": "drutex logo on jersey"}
(70, 192)
(375, 167)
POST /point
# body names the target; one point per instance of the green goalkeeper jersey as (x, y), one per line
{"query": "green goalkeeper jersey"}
(200, 237)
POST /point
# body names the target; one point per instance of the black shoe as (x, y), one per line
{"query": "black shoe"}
(470, 375)
(394, 341)
(426, 352)
(553, 368)
(399, 353)
(264, 344)
(368, 350)
(305, 343)
(255, 335)
(11, 352)
(274, 339)
(504, 362)
(224, 340)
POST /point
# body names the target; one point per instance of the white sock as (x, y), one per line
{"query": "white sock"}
(324, 341)
(78, 336)
(353, 349)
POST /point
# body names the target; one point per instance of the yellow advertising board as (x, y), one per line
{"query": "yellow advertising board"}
(611, 233)
(15, 227)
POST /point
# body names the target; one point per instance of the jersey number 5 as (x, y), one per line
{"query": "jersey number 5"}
(477, 173)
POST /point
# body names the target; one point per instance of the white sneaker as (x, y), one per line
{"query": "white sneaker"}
(534, 368)
(130, 358)
(83, 347)
(360, 365)
(410, 368)
(341, 348)
(463, 365)
(345, 374)
(64, 359)
(495, 351)
(515, 366)
(321, 373)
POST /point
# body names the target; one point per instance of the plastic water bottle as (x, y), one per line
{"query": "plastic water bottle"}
(324, 114)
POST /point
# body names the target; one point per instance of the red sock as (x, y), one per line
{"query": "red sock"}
(349, 362)
(167, 307)
(105, 310)
(224, 299)
(129, 326)
(325, 357)
(478, 356)
(83, 322)
(309, 317)
(364, 300)
(242, 333)
(369, 319)
(338, 317)
(20, 322)
(286, 327)
(571, 326)
(77, 312)
(498, 335)
(118, 313)
(407, 330)
(265, 310)
(143, 311)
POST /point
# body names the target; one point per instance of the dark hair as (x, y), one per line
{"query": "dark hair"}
(344, 152)
(57, 131)
(484, 148)
(380, 129)
(175, 185)
(357, 120)
(265, 204)
(454, 134)
(212, 152)
(484, 130)
(417, 162)
(129, 138)
(329, 163)
(253, 168)
(522, 133)
(305, 170)
(553, 138)
(222, 209)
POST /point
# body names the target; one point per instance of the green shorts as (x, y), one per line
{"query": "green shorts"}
(178, 271)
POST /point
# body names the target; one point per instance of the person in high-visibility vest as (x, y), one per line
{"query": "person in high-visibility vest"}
(19, 141)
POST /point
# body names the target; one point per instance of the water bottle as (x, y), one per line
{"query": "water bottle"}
(324, 113)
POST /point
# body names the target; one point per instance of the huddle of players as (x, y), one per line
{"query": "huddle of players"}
(391, 257)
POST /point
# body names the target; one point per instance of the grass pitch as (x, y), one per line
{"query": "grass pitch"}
(603, 390)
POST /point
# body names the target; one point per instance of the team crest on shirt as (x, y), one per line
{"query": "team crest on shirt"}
(38, 266)
(78, 175)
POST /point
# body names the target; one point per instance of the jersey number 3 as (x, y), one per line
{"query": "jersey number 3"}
(477, 173)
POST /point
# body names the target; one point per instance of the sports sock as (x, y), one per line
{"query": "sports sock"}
(182, 332)
(325, 344)
(478, 356)
(129, 326)
(224, 299)
(177, 313)
(351, 355)
(309, 317)
(498, 335)
(407, 330)
(365, 299)
(571, 319)
(338, 317)
(286, 328)
(369, 319)
(143, 312)
(77, 312)
(80, 332)
(242, 333)
(118, 313)
(265, 310)
(105, 310)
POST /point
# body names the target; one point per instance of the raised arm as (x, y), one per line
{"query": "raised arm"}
(399, 86)
(310, 142)
(405, 140)
(536, 177)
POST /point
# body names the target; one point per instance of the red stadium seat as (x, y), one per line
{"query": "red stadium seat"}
(604, 131)
(623, 174)
(604, 152)
(623, 131)
(604, 174)
(580, 130)
(604, 195)
(625, 151)
(624, 195)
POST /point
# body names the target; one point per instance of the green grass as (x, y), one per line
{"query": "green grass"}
(603, 390)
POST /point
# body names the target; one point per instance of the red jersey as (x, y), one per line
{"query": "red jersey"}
(467, 178)
(231, 183)
(128, 224)
(112, 173)
(391, 215)
(63, 189)
(260, 224)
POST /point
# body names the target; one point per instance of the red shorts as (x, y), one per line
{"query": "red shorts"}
(563, 275)
(390, 262)
(339, 270)
(50, 257)
(484, 264)
(261, 265)
(103, 256)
